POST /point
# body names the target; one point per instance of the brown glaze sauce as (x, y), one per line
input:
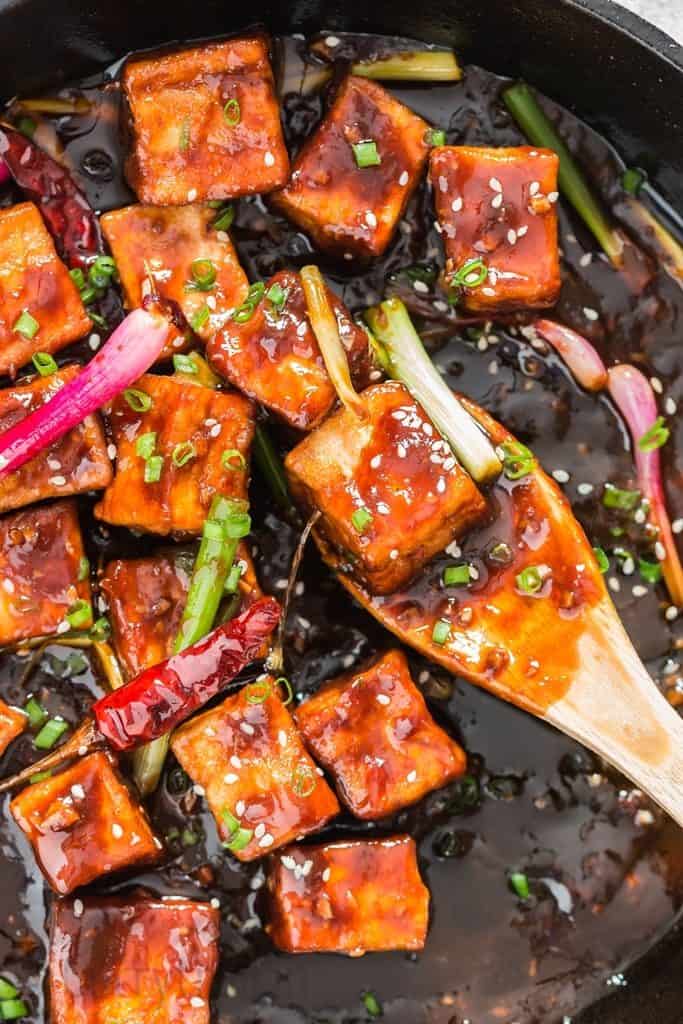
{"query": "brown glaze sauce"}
(606, 880)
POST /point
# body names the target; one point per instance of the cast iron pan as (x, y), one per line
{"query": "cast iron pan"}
(619, 74)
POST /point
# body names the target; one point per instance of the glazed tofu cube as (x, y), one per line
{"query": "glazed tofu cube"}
(77, 462)
(42, 566)
(204, 123)
(132, 959)
(171, 456)
(391, 494)
(498, 207)
(260, 784)
(274, 356)
(373, 732)
(177, 245)
(40, 308)
(12, 724)
(354, 897)
(353, 178)
(84, 823)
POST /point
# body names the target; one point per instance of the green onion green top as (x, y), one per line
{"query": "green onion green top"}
(203, 275)
(79, 614)
(44, 363)
(145, 444)
(518, 460)
(232, 112)
(441, 632)
(456, 575)
(138, 400)
(26, 325)
(361, 519)
(655, 437)
(615, 497)
(602, 559)
(365, 153)
(530, 580)
(153, 467)
(520, 884)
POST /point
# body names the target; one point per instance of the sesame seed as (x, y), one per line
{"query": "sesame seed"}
(441, 485)
(643, 818)
(82, 751)
(215, 903)
(230, 778)
(660, 551)
(384, 699)
(116, 830)
(268, 159)
(640, 515)
(94, 342)
(670, 407)
(375, 461)
(306, 868)
(370, 219)
(78, 908)
(326, 875)
(192, 195)
(677, 526)
(671, 613)
(512, 236)
(522, 231)
(656, 385)
(403, 180)
(266, 840)
(77, 792)
(586, 259)
(211, 302)
(639, 590)
(534, 188)
(489, 291)
(411, 776)
(240, 808)
(215, 431)
(614, 584)
(561, 475)
(64, 626)
(260, 830)
(288, 862)
(421, 287)
(282, 738)
(247, 729)
(196, 1001)
(495, 185)
(497, 200)
(58, 481)
(456, 205)
(401, 451)
(553, 197)
(437, 227)
(235, 761)
(199, 790)
(590, 314)
(383, 508)
(393, 554)
(8, 586)
(222, 236)
(443, 183)
(332, 41)
(628, 567)
(585, 489)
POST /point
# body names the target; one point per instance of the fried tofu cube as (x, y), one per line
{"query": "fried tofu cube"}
(261, 786)
(12, 724)
(132, 959)
(352, 180)
(498, 207)
(170, 243)
(40, 307)
(75, 463)
(171, 456)
(204, 123)
(41, 567)
(373, 732)
(274, 356)
(353, 897)
(391, 493)
(84, 823)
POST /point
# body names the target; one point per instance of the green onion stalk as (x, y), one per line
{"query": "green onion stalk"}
(412, 66)
(527, 112)
(403, 357)
(227, 523)
(270, 465)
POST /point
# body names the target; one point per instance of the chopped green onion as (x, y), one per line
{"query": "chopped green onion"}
(304, 780)
(44, 363)
(224, 219)
(232, 580)
(411, 66)
(26, 325)
(183, 453)
(615, 497)
(139, 401)
(184, 364)
(655, 437)
(40, 776)
(13, 1009)
(372, 1004)
(237, 525)
(270, 465)
(277, 295)
(101, 272)
(436, 137)
(79, 614)
(51, 732)
(518, 460)
(83, 568)
(153, 467)
(284, 681)
(471, 274)
(233, 459)
(241, 838)
(441, 631)
(520, 884)
(631, 180)
(188, 838)
(78, 278)
(244, 313)
(651, 572)
(258, 692)
(100, 629)
(184, 140)
(7, 990)
(365, 153)
(530, 580)
(361, 519)
(203, 274)
(27, 126)
(456, 575)
(232, 112)
(145, 444)
(37, 715)
(88, 294)
(98, 320)
(200, 318)
(602, 559)
(500, 553)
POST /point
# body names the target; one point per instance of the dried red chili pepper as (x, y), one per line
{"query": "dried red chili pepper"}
(65, 209)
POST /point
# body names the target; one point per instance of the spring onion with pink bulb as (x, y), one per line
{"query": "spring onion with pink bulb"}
(130, 351)
(634, 397)
(577, 352)
(4, 172)
(404, 358)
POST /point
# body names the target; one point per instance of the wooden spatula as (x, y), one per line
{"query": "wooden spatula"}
(559, 651)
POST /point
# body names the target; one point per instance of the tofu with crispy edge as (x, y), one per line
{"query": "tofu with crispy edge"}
(12, 724)
(75, 463)
(274, 356)
(171, 457)
(352, 180)
(42, 565)
(260, 783)
(353, 897)
(146, 599)
(132, 959)
(390, 491)
(34, 286)
(373, 732)
(84, 823)
(499, 207)
(169, 243)
(203, 123)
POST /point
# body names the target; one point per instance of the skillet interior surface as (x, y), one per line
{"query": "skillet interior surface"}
(535, 801)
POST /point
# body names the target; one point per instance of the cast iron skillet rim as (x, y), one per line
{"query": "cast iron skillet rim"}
(634, 26)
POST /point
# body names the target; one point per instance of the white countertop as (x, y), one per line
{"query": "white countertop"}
(666, 14)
